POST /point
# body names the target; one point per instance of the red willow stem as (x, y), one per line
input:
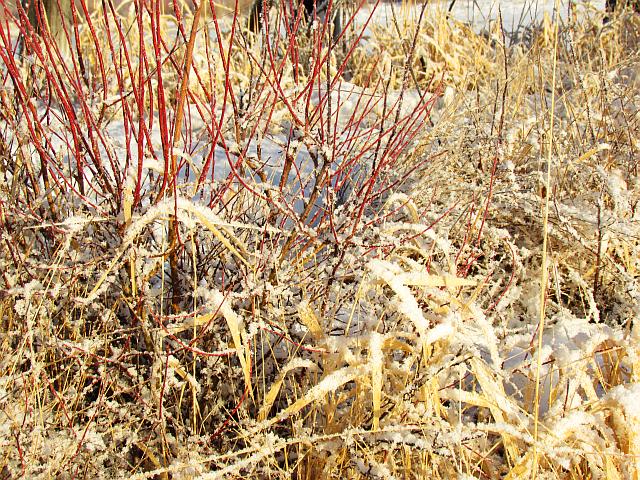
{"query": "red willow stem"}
(142, 63)
(162, 102)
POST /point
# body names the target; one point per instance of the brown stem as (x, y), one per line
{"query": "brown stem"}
(174, 237)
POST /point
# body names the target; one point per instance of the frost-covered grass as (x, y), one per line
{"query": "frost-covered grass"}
(409, 254)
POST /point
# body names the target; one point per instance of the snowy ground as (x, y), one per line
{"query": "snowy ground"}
(482, 13)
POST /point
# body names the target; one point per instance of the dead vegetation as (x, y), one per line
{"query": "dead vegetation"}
(251, 268)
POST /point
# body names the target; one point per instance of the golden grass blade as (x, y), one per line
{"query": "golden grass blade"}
(521, 469)
(93, 293)
(470, 398)
(272, 394)
(310, 320)
(196, 321)
(611, 469)
(591, 152)
(174, 364)
(238, 334)
(376, 356)
(328, 384)
(406, 202)
(423, 279)
(407, 304)
(635, 350)
(213, 229)
(544, 273)
(500, 406)
(622, 401)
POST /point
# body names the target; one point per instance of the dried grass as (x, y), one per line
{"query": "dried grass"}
(412, 350)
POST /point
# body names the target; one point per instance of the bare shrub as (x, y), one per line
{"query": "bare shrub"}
(222, 259)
